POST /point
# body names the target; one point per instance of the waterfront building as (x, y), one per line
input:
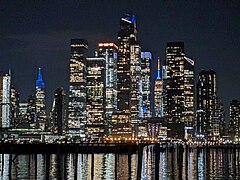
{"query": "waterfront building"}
(129, 83)
(96, 125)
(207, 104)
(234, 123)
(40, 102)
(108, 51)
(77, 88)
(5, 97)
(179, 85)
(146, 58)
(158, 92)
(58, 121)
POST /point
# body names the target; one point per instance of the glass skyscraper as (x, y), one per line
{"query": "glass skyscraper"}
(129, 83)
(175, 82)
(108, 51)
(77, 87)
(146, 58)
(5, 95)
(207, 104)
(189, 90)
(96, 125)
(178, 83)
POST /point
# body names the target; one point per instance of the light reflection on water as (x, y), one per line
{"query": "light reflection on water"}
(191, 165)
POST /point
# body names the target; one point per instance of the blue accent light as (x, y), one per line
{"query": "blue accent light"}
(130, 18)
(145, 55)
(144, 109)
(39, 81)
(158, 74)
(115, 55)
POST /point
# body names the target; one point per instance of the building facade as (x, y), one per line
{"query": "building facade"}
(31, 112)
(96, 126)
(129, 83)
(189, 89)
(23, 110)
(14, 99)
(146, 58)
(234, 123)
(58, 121)
(5, 97)
(175, 82)
(77, 88)
(179, 85)
(207, 103)
(108, 51)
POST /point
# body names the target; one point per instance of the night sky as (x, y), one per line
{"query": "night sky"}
(37, 34)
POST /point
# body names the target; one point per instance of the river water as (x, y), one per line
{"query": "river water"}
(205, 164)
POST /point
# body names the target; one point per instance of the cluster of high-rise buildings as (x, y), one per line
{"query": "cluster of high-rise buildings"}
(111, 95)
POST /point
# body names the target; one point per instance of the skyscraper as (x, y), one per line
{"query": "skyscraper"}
(31, 111)
(14, 99)
(108, 51)
(96, 98)
(221, 118)
(58, 114)
(5, 97)
(129, 82)
(175, 82)
(136, 84)
(234, 123)
(40, 102)
(207, 103)
(1, 97)
(189, 90)
(179, 84)
(146, 58)
(158, 92)
(77, 87)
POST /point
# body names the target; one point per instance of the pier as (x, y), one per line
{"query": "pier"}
(83, 148)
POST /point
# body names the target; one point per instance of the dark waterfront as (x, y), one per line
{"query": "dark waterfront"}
(194, 164)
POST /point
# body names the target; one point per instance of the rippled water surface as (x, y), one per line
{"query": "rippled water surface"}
(205, 164)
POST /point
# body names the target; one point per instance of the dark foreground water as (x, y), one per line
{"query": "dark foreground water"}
(212, 164)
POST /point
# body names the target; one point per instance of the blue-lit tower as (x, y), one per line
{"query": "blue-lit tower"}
(158, 100)
(40, 102)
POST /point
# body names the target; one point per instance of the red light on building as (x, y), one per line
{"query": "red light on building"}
(107, 45)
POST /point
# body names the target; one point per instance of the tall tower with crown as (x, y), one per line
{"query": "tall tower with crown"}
(40, 102)
(158, 101)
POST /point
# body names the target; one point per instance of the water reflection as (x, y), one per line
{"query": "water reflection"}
(171, 164)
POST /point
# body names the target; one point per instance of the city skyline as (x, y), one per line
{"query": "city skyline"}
(119, 89)
(28, 42)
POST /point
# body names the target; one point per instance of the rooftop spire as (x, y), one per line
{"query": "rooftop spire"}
(159, 69)
(39, 81)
